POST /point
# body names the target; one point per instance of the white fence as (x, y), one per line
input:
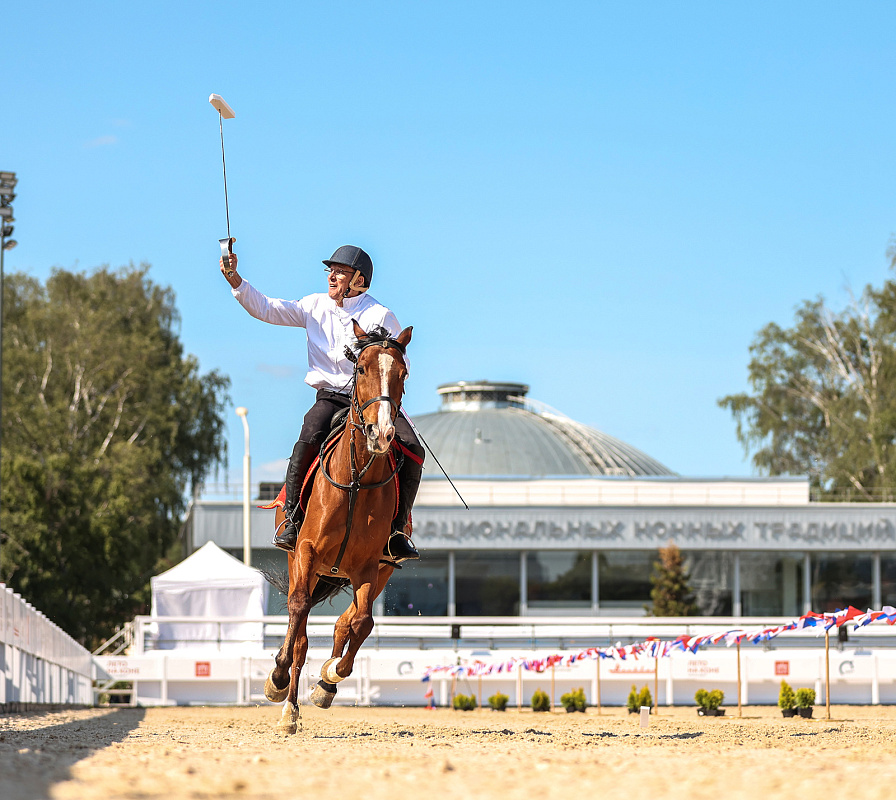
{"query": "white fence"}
(40, 664)
(393, 661)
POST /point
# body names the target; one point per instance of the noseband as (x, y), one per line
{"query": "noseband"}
(355, 486)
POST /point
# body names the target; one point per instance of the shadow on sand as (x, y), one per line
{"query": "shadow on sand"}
(34, 757)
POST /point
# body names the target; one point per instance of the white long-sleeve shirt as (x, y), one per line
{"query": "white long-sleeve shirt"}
(329, 328)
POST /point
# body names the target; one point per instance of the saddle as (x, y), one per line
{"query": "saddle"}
(329, 443)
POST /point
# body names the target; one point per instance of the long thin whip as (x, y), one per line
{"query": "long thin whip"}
(426, 445)
(224, 164)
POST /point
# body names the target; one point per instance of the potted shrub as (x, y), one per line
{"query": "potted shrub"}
(645, 699)
(805, 699)
(464, 703)
(632, 703)
(787, 700)
(541, 701)
(637, 699)
(708, 703)
(574, 700)
(498, 702)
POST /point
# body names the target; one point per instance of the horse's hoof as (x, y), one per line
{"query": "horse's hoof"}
(274, 694)
(289, 719)
(322, 695)
(328, 672)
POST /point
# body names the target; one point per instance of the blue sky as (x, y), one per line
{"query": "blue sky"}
(603, 200)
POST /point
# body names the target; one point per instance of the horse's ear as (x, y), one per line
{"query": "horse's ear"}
(360, 333)
(404, 338)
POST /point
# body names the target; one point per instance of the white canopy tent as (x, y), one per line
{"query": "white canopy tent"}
(209, 584)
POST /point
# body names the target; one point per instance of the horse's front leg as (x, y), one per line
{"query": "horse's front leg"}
(361, 623)
(341, 631)
(322, 695)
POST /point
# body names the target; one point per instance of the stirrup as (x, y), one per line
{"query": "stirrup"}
(286, 536)
(400, 548)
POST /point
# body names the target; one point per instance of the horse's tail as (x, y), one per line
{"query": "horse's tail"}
(278, 578)
(326, 588)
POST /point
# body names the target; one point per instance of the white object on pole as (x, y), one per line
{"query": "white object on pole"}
(645, 716)
(221, 106)
(224, 112)
(243, 413)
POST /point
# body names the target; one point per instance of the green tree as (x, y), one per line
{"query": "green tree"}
(671, 593)
(107, 425)
(823, 399)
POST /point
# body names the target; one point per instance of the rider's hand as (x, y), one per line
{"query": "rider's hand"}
(233, 278)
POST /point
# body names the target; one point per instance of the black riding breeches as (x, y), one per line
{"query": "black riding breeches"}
(315, 427)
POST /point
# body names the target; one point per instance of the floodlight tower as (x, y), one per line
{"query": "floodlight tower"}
(243, 413)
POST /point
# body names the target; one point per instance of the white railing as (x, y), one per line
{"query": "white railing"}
(493, 633)
(224, 666)
(40, 664)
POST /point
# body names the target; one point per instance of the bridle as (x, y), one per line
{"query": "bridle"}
(357, 409)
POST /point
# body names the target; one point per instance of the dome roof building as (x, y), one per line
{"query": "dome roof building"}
(545, 516)
(486, 429)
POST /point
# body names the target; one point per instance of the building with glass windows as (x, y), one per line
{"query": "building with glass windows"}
(564, 520)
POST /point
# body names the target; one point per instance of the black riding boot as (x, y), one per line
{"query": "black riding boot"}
(399, 547)
(302, 455)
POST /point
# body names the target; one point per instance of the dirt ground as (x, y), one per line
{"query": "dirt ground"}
(393, 753)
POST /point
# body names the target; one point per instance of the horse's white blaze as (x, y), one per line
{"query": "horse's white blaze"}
(384, 409)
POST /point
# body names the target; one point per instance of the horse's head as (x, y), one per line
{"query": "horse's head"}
(380, 372)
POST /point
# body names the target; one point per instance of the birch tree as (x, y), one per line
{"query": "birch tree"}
(823, 399)
(107, 425)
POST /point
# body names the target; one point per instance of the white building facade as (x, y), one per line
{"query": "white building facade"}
(564, 520)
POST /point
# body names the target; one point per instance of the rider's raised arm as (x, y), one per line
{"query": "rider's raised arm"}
(268, 309)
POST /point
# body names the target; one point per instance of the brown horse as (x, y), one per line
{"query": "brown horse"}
(338, 538)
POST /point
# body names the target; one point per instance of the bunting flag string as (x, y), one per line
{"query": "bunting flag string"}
(658, 648)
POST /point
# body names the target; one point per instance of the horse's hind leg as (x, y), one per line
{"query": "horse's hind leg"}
(291, 657)
(276, 687)
(289, 719)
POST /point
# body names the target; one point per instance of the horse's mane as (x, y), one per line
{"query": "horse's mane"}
(376, 335)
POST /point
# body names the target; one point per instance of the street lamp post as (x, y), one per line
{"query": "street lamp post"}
(8, 182)
(243, 413)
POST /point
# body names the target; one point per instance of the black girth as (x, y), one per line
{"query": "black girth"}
(354, 487)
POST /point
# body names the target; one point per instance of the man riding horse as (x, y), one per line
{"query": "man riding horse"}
(327, 319)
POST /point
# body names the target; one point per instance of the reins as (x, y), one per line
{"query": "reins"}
(354, 487)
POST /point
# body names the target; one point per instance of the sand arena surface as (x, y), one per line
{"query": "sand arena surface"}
(395, 753)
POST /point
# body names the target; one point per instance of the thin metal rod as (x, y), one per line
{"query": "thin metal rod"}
(224, 163)
(827, 673)
(426, 445)
(553, 683)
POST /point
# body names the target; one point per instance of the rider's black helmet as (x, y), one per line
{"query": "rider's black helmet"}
(350, 256)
